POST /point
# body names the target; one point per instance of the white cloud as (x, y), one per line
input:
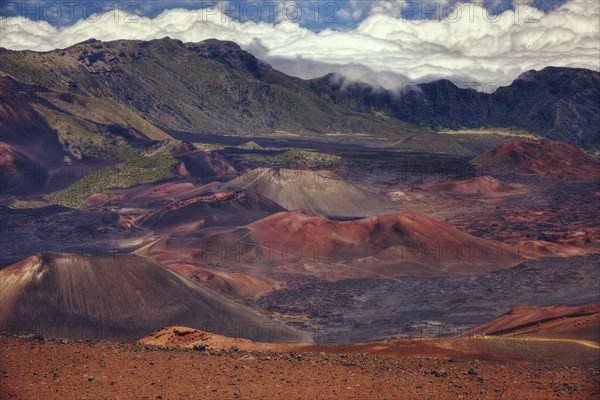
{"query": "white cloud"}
(471, 45)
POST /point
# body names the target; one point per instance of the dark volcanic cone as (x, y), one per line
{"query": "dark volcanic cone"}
(321, 192)
(120, 297)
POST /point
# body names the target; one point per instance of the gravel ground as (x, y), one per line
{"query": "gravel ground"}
(33, 369)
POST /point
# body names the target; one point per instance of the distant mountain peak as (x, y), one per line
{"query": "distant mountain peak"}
(221, 44)
(527, 75)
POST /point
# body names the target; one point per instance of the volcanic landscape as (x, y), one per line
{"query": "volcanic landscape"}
(374, 257)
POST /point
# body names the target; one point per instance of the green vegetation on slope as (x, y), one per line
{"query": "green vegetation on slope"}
(250, 146)
(28, 204)
(134, 171)
(103, 111)
(296, 158)
(81, 138)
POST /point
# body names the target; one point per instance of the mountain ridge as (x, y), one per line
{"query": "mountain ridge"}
(206, 87)
(559, 103)
(214, 86)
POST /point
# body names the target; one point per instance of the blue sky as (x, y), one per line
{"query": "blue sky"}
(315, 15)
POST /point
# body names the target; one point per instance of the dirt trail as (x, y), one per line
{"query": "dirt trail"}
(587, 343)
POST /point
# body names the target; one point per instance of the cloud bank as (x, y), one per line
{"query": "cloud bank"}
(464, 42)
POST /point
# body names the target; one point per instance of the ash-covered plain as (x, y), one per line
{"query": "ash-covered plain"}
(360, 310)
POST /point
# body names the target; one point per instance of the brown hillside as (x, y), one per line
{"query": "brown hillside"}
(540, 157)
(121, 297)
(485, 186)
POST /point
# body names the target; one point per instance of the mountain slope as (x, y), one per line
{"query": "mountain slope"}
(49, 139)
(26, 139)
(436, 104)
(216, 87)
(557, 103)
(322, 192)
(122, 297)
(206, 87)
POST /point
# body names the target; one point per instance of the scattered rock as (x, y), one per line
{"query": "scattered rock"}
(199, 347)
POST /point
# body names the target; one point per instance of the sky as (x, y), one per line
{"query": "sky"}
(385, 43)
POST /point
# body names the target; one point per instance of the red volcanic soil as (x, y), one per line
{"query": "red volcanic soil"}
(208, 198)
(485, 186)
(560, 248)
(403, 237)
(391, 245)
(7, 157)
(22, 168)
(583, 329)
(154, 195)
(231, 284)
(575, 345)
(58, 370)
(180, 336)
(578, 345)
(20, 124)
(208, 166)
(210, 207)
(182, 171)
(523, 317)
(540, 157)
(9, 169)
(15, 112)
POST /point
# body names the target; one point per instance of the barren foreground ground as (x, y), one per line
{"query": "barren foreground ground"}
(34, 369)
